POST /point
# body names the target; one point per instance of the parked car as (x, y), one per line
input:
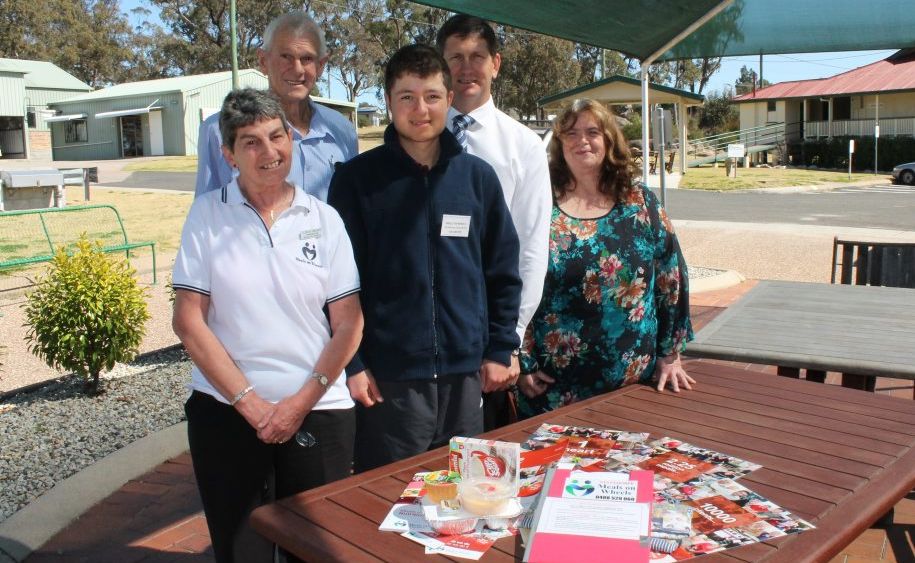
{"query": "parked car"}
(904, 174)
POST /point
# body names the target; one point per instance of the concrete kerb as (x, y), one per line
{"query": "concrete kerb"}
(879, 180)
(721, 280)
(35, 524)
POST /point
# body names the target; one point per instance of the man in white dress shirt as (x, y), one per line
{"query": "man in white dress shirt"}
(469, 46)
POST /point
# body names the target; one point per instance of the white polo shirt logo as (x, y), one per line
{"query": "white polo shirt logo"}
(310, 254)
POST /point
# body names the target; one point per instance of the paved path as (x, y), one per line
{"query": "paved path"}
(157, 517)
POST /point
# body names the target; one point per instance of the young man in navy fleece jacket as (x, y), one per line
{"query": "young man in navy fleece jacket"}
(438, 261)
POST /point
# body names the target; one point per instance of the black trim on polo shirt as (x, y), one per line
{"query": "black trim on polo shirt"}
(225, 194)
(190, 288)
(342, 295)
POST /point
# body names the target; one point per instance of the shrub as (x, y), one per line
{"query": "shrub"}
(86, 313)
(833, 153)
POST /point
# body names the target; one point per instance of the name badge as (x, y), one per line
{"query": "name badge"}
(455, 226)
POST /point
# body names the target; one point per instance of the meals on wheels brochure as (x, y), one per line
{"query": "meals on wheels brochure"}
(584, 516)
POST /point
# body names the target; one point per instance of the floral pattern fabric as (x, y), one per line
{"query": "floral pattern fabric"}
(616, 297)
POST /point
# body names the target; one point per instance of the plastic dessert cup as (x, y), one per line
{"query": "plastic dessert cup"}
(441, 485)
(453, 527)
(483, 496)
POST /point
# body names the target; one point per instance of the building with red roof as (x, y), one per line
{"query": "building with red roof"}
(848, 104)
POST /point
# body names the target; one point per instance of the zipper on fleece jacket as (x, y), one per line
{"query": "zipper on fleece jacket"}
(431, 218)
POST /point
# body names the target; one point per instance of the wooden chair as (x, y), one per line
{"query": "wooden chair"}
(871, 263)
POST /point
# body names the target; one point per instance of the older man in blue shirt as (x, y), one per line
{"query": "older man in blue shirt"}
(293, 56)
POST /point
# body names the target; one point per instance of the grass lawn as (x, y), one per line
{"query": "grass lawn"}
(166, 164)
(708, 178)
(154, 216)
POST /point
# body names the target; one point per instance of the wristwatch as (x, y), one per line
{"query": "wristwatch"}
(322, 379)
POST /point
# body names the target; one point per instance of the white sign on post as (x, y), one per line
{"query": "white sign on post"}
(851, 146)
(877, 131)
(661, 127)
(737, 150)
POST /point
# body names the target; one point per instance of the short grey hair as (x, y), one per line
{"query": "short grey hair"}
(244, 107)
(299, 24)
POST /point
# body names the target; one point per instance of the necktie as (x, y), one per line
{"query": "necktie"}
(460, 123)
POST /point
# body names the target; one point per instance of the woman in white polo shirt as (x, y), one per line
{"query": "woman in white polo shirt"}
(269, 414)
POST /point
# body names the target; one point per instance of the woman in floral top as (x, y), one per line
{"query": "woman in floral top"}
(615, 308)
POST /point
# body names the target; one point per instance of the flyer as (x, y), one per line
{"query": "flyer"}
(725, 514)
(586, 515)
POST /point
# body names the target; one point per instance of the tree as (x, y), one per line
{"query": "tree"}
(533, 66)
(354, 54)
(201, 28)
(89, 38)
(87, 313)
(745, 82)
(717, 114)
(694, 74)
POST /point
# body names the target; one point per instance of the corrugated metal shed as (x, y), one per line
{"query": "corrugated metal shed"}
(12, 91)
(42, 74)
(159, 86)
(893, 74)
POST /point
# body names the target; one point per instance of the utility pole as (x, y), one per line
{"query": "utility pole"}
(234, 33)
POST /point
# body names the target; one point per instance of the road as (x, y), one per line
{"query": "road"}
(876, 207)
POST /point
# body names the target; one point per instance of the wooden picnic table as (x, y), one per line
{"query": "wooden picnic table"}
(838, 457)
(858, 329)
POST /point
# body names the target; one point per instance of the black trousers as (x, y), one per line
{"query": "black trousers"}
(416, 416)
(236, 472)
(496, 413)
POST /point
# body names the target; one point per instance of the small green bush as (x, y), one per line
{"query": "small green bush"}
(86, 313)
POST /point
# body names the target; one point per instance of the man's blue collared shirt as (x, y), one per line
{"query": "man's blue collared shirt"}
(331, 139)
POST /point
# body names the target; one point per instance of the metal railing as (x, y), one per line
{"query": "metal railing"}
(889, 126)
(714, 147)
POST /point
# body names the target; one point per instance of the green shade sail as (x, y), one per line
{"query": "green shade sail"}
(745, 27)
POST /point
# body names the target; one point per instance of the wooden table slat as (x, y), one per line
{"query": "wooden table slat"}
(766, 440)
(818, 394)
(793, 421)
(800, 433)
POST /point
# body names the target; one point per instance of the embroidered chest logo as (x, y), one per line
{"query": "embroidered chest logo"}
(310, 254)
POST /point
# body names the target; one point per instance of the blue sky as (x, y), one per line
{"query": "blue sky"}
(776, 68)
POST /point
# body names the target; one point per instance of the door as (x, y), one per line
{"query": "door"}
(131, 136)
(156, 142)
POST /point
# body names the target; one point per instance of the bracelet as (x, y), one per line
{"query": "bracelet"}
(241, 394)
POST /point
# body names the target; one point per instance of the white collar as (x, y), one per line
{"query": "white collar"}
(482, 115)
(232, 195)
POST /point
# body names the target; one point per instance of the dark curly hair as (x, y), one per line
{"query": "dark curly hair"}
(617, 171)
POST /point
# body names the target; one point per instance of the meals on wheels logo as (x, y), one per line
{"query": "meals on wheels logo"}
(579, 487)
(310, 253)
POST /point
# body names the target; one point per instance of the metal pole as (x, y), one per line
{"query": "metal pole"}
(876, 129)
(661, 141)
(234, 33)
(645, 116)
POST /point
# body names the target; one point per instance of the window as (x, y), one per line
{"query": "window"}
(30, 118)
(841, 108)
(770, 105)
(75, 131)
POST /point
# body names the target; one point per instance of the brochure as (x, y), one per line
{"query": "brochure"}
(672, 461)
(586, 515)
(725, 514)
(407, 512)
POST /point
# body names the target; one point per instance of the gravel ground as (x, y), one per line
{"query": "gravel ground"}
(52, 432)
